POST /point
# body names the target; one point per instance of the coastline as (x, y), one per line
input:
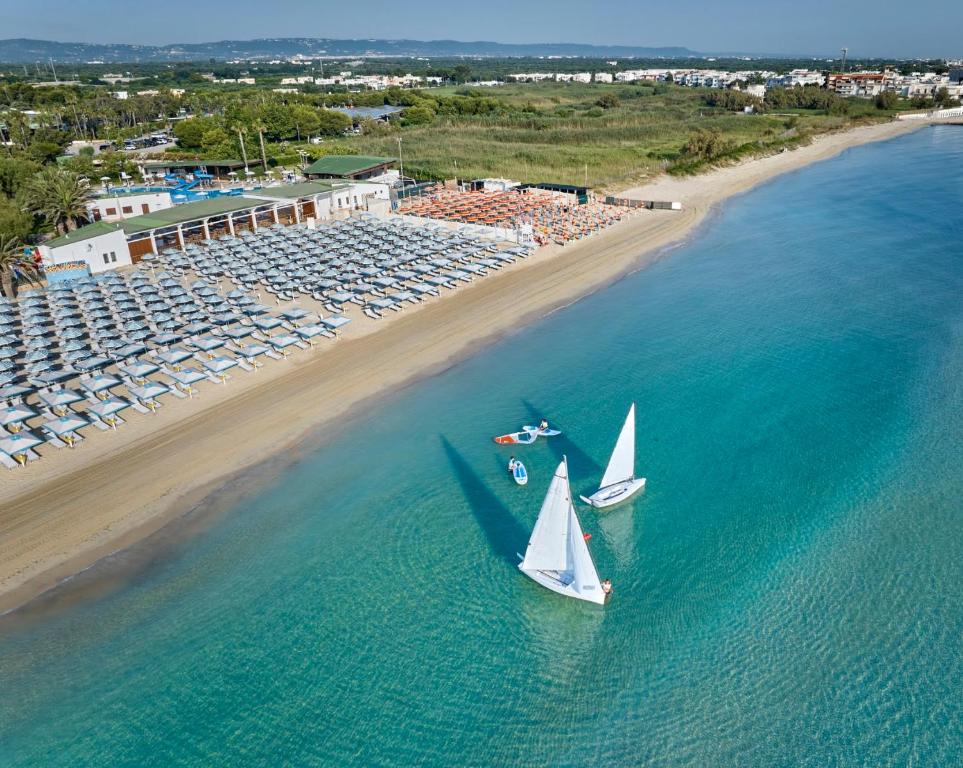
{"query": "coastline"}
(74, 508)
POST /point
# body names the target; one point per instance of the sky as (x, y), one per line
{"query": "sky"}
(819, 27)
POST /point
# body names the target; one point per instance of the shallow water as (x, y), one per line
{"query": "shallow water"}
(788, 587)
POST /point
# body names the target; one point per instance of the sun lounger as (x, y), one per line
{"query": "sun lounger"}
(55, 441)
(7, 461)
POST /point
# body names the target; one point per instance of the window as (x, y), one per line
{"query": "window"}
(113, 257)
(110, 211)
(145, 207)
(106, 259)
(127, 209)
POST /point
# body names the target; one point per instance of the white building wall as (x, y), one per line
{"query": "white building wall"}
(101, 253)
(155, 201)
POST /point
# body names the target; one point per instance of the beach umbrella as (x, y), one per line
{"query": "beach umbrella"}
(219, 364)
(65, 426)
(129, 350)
(267, 323)
(335, 321)
(295, 313)
(310, 331)
(193, 329)
(254, 309)
(99, 383)
(14, 414)
(149, 390)
(138, 369)
(77, 355)
(39, 366)
(174, 355)
(17, 445)
(165, 339)
(8, 353)
(35, 330)
(106, 410)
(10, 391)
(207, 343)
(5, 374)
(252, 350)
(60, 398)
(73, 346)
(139, 335)
(187, 376)
(282, 342)
(239, 332)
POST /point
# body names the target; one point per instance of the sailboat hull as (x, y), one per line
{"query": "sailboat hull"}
(615, 494)
(556, 583)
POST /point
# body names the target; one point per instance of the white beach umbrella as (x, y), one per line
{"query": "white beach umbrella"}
(60, 398)
(17, 445)
(15, 414)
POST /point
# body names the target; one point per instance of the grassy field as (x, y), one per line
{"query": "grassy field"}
(555, 132)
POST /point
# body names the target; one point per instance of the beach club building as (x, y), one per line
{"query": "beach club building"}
(120, 203)
(105, 245)
(357, 167)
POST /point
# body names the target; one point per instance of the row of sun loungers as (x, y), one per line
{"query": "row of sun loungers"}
(84, 355)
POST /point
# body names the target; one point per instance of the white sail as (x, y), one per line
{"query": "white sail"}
(585, 579)
(622, 463)
(548, 548)
(557, 556)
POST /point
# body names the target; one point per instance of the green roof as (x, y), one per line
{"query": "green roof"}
(187, 212)
(84, 233)
(293, 191)
(346, 165)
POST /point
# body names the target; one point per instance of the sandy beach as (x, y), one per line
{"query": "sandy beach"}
(62, 514)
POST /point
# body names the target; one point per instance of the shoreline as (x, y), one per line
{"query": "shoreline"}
(73, 509)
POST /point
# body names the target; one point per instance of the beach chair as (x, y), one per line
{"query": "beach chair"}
(7, 461)
(138, 406)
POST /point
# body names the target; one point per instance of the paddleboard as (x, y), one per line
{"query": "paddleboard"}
(544, 432)
(517, 438)
(520, 473)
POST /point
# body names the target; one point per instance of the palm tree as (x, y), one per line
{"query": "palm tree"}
(60, 196)
(15, 266)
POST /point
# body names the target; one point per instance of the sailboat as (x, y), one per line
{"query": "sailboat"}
(619, 481)
(557, 556)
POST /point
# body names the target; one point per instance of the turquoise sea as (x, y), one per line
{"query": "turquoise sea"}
(789, 588)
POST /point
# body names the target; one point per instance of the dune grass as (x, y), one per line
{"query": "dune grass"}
(555, 132)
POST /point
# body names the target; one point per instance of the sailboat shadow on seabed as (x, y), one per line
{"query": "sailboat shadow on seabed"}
(504, 533)
(562, 446)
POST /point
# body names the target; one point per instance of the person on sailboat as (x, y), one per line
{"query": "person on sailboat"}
(543, 425)
(511, 465)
